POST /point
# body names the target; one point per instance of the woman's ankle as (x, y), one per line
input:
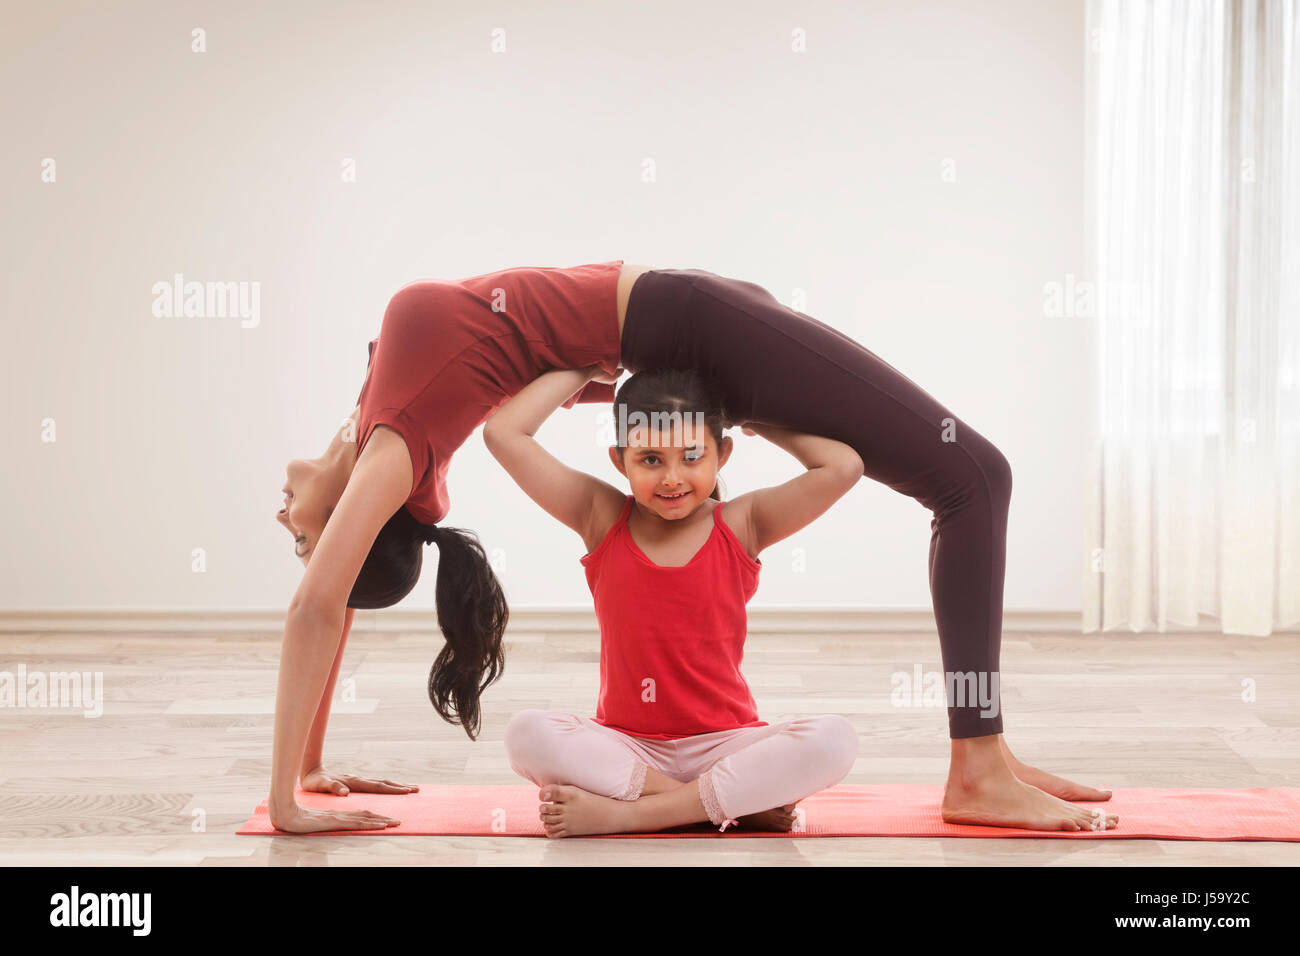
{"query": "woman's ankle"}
(978, 760)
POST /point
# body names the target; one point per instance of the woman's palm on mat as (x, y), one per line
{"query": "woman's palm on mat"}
(323, 781)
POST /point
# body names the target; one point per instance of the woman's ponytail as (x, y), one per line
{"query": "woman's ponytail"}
(472, 614)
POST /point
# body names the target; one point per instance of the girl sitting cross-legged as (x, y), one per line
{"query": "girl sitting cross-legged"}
(676, 738)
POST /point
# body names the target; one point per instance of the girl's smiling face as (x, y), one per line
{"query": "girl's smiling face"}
(671, 469)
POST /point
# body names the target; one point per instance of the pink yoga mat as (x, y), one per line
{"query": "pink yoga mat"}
(894, 810)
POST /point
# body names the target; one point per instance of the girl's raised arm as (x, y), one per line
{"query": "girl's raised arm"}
(565, 493)
(772, 514)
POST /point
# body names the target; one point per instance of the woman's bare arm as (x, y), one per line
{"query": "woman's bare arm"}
(314, 624)
(313, 774)
(315, 747)
(311, 758)
(772, 514)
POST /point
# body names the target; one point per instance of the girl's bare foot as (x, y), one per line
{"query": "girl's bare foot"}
(778, 819)
(1050, 783)
(572, 811)
(982, 790)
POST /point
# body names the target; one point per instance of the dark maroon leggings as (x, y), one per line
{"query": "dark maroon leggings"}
(782, 367)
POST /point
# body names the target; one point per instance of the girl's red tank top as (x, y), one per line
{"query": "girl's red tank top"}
(672, 638)
(451, 352)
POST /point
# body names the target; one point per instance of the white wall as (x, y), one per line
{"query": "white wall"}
(819, 170)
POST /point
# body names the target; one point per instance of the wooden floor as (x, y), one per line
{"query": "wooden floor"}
(187, 718)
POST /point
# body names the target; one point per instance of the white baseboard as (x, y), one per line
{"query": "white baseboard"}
(537, 618)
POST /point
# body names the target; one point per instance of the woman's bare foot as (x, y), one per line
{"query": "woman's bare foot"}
(778, 819)
(982, 790)
(1013, 803)
(572, 811)
(1050, 783)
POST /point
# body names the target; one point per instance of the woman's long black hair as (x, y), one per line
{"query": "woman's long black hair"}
(472, 610)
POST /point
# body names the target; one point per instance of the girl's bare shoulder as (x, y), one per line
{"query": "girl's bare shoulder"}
(606, 506)
(737, 517)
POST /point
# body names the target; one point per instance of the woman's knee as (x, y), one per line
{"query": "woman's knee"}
(970, 469)
(997, 470)
(994, 468)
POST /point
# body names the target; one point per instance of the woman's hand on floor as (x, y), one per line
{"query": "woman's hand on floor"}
(321, 780)
(303, 820)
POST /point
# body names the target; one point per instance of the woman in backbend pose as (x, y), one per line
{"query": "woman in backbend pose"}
(449, 353)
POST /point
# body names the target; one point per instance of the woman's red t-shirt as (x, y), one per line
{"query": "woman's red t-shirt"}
(450, 352)
(672, 638)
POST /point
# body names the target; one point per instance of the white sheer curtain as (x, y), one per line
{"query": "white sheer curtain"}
(1193, 193)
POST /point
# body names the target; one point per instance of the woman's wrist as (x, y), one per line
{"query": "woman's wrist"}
(597, 374)
(278, 807)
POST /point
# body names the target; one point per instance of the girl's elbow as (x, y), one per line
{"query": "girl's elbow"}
(850, 466)
(501, 449)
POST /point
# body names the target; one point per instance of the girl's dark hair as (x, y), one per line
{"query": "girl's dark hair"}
(682, 390)
(472, 610)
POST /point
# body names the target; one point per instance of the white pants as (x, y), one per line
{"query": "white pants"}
(741, 771)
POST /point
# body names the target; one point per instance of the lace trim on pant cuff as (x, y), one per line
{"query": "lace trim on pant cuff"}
(637, 782)
(712, 805)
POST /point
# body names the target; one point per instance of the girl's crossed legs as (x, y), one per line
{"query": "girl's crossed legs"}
(595, 777)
